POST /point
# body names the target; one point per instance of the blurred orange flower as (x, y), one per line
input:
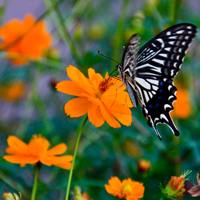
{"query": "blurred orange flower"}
(182, 106)
(13, 91)
(24, 40)
(37, 151)
(103, 99)
(127, 189)
(79, 195)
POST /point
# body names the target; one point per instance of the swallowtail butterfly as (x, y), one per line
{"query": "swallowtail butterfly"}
(148, 74)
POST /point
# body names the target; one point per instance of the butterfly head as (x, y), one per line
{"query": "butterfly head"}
(119, 67)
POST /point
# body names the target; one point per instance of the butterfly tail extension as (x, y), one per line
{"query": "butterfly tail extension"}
(151, 123)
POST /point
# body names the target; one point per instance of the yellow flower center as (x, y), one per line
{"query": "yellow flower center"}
(104, 86)
(126, 190)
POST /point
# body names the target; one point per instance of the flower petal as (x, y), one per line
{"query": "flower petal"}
(114, 187)
(57, 150)
(124, 119)
(77, 77)
(95, 116)
(16, 146)
(69, 87)
(55, 160)
(109, 117)
(18, 159)
(77, 107)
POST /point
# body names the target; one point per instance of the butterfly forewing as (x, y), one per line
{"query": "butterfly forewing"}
(149, 72)
(163, 55)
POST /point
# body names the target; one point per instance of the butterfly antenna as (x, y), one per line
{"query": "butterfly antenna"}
(99, 52)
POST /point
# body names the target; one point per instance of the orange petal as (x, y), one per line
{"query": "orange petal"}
(77, 77)
(116, 106)
(114, 186)
(65, 166)
(57, 150)
(77, 107)
(91, 72)
(95, 116)
(16, 146)
(124, 119)
(54, 160)
(69, 87)
(109, 117)
(18, 159)
(38, 145)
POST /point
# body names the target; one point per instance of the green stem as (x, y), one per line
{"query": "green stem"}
(60, 26)
(120, 28)
(175, 7)
(74, 158)
(36, 173)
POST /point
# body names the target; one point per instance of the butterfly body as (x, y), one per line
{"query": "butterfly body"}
(148, 74)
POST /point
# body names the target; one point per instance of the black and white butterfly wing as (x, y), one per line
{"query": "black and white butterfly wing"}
(153, 67)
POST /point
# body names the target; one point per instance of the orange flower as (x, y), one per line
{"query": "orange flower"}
(103, 99)
(13, 91)
(24, 40)
(182, 106)
(127, 189)
(37, 151)
(175, 186)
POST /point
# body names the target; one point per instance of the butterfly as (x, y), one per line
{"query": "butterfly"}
(148, 74)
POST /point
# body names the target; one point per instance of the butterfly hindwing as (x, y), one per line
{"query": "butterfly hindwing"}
(149, 72)
(158, 108)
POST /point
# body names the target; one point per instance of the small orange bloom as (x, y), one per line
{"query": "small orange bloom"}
(103, 99)
(127, 189)
(175, 186)
(37, 151)
(13, 91)
(24, 40)
(182, 106)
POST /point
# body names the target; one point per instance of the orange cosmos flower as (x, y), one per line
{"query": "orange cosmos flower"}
(37, 151)
(13, 91)
(182, 106)
(24, 40)
(103, 99)
(127, 189)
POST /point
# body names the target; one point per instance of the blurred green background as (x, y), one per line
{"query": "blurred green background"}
(103, 152)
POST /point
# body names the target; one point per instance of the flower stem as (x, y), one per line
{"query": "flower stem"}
(74, 157)
(36, 173)
(62, 29)
(175, 7)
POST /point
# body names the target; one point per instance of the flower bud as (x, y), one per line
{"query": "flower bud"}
(143, 165)
(79, 195)
(175, 186)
